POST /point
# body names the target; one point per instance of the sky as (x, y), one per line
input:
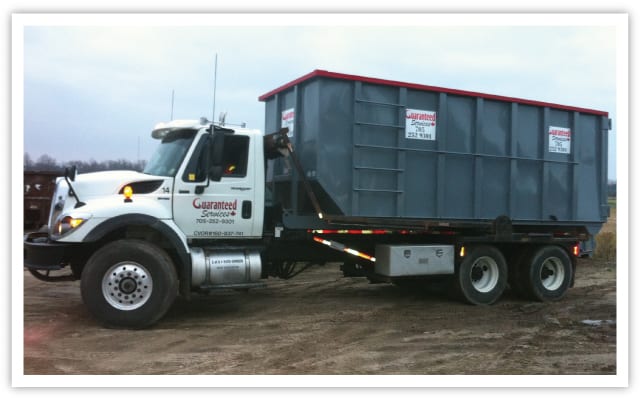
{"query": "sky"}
(95, 92)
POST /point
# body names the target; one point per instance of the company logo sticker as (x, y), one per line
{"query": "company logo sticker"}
(214, 205)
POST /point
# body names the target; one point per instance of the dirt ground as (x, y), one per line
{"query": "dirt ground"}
(322, 323)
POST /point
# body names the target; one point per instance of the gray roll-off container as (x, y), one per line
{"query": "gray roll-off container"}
(378, 150)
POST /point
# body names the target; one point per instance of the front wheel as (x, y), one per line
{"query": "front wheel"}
(129, 284)
(481, 277)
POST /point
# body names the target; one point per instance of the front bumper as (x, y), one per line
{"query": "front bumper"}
(40, 253)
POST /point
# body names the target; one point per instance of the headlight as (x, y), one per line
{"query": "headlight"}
(68, 224)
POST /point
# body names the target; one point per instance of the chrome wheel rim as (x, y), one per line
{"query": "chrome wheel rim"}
(127, 286)
(552, 273)
(484, 274)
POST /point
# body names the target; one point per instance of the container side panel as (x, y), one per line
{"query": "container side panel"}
(282, 169)
(288, 100)
(307, 114)
(335, 141)
(422, 100)
(380, 94)
(588, 178)
(270, 121)
(529, 131)
(377, 181)
(460, 124)
(421, 196)
(371, 113)
(377, 204)
(560, 118)
(494, 138)
(557, 203)
(270, 110)
(377, 158)
(494, 191)
(527, 191)
(559, 176)
(458, 197)
(376, 136)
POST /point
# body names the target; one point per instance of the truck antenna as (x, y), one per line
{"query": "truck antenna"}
(172, 93)
(215, 78)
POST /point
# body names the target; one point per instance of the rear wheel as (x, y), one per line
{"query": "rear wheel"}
(481, 277)
(129, 283)
(547, 275)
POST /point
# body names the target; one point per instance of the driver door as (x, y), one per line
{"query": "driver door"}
(204, 209)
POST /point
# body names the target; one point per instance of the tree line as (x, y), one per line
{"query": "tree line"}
(48, 163)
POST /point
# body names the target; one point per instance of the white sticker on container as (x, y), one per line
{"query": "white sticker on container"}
(288, 117)
(420, 124)
(559, 140)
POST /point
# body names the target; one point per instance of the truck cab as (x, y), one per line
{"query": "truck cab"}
(204, 186)
(217, 192)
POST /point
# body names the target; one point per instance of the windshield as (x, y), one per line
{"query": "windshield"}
(169, 155)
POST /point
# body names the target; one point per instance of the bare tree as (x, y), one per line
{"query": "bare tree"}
(48, 163)
(28, 163)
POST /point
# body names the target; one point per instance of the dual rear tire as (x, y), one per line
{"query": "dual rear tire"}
(544, 273)
(481, 277)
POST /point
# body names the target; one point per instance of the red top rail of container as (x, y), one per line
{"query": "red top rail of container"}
(327, 74)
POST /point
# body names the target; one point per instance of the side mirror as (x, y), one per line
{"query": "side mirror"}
(71, 173)
(216, 151)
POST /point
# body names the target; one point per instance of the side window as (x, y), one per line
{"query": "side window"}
(235, 158)
(196, 170)
(236, 154)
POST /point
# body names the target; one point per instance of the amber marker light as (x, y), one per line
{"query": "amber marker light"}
(75, 222)
(127, 192)
(68, 224)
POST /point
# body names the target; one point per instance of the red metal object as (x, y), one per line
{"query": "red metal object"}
(38, 190)
(335, 75)
(358, 231)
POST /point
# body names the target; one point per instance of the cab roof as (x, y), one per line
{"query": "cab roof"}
(162, 129)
